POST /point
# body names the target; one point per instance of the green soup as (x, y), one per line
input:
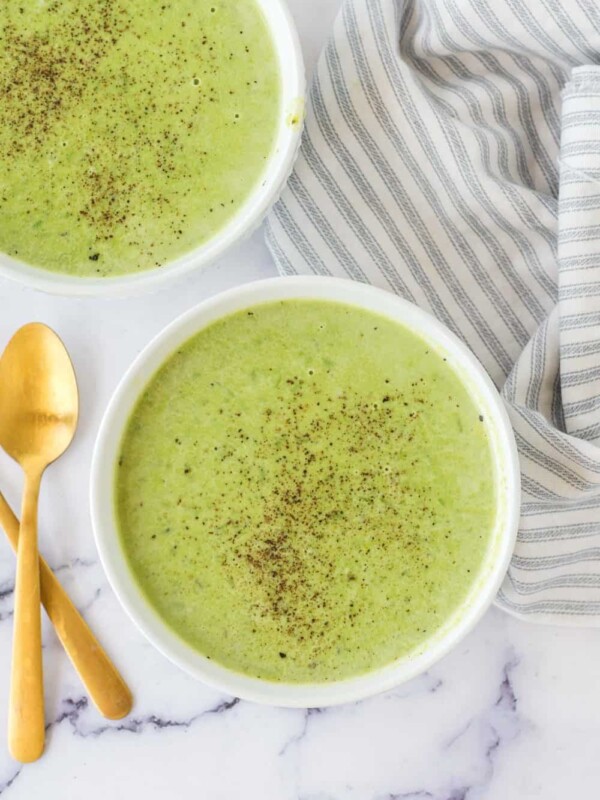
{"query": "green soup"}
(132, 130)
(305, 491)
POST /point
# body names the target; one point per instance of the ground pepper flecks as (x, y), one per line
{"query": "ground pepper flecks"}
(129, 134)
(328, 485)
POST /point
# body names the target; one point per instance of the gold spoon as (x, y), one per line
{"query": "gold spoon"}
(38, 416)
(104, 684)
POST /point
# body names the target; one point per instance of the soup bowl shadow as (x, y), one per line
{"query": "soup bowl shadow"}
(485, 585)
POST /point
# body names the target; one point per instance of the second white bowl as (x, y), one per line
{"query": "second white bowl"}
(484, 587)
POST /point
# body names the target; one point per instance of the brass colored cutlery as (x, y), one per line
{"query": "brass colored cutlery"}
(38, 417)
(107, 689)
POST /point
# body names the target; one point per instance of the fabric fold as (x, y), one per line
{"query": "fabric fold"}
(579, 254)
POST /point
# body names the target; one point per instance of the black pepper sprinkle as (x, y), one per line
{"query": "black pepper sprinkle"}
(48, 70)
(299, 435)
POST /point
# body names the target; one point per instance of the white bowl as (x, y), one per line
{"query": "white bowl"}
(250, 214)
(117, 415)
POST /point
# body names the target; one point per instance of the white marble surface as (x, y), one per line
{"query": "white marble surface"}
(512, 714)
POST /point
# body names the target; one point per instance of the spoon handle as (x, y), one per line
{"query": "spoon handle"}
(26, 710)
(106, 687)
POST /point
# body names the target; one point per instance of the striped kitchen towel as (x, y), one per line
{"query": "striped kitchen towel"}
(452, 155)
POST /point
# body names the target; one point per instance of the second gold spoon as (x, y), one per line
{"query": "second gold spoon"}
(107, 689)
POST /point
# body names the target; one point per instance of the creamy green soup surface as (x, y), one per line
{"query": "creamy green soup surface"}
(305, 491)
(132, 130)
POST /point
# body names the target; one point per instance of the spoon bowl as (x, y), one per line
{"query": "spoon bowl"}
(38, 399)
(39, 407)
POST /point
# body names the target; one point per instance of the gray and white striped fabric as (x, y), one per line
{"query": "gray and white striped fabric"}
(430, 166)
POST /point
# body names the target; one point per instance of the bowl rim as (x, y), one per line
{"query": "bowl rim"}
(247, 218)
(112, 557)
